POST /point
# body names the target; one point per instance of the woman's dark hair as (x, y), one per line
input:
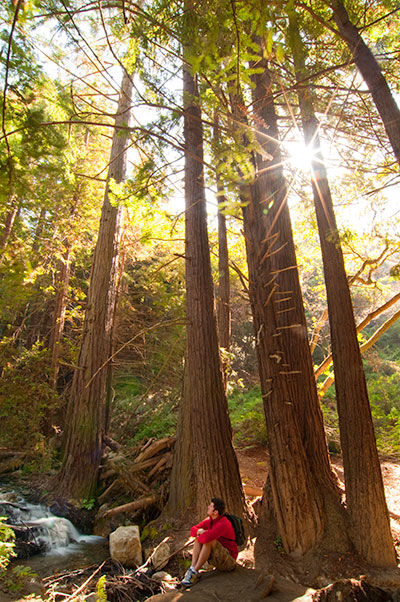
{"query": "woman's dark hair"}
(218, 505)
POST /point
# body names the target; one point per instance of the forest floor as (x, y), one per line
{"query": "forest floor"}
(253, 465)
(250, 581)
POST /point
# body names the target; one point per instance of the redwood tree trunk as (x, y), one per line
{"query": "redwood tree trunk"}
(87, 411)
(365, 495)
(297, 502)
(205, 463)
(223, 300)
(372, 75)
(58, 318)
(271, 189)
(292, 328)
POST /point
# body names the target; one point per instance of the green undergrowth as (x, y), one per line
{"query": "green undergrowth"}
(384, 397)
(247, 417)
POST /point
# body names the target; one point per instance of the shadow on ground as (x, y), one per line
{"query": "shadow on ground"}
(242, 585)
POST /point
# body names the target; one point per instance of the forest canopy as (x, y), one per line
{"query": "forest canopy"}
(158, 156)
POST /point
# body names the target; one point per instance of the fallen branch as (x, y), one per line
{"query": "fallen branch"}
(155, 447)
(132, 506)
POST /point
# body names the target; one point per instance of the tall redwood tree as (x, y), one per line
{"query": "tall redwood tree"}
(365, 496)
(205, 464)
(86, 419)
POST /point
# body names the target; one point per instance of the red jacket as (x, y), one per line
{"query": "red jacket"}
(220, 529)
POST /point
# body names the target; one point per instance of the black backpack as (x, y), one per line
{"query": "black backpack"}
(237, 525)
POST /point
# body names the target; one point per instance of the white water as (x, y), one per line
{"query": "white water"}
(57, 535)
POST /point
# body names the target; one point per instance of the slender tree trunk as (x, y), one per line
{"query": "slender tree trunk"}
(205, 463)
(365, 495)
(39, 230)
(223, 300)
(371, 316)
(371, 72)
(9, 223)
(88, 405)
(58, 318)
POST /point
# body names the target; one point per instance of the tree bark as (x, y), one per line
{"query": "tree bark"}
(58, 318)
(365, 495)
(88, 405)
(9, 223)
(272, 192)
(223, 299)
(297, 501)
(372, 75)
(205, 464)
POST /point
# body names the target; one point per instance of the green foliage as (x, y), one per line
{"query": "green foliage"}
(278, 544)
(158, 421)
(88, 504)
(26, 397)
(384, 396)
(15, 578)
(149, 532)
(101, 591)
(7, 538)
(247, 416)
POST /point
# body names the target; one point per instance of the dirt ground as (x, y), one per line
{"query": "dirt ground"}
(253, 465)
(248, 585)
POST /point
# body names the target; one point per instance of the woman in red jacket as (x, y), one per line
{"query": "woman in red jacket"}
(215, 542)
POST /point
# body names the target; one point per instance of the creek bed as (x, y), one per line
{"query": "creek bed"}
(62, 546)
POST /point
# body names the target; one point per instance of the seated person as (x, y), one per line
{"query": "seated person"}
(215, 543)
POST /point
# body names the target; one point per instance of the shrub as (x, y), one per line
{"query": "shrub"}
(247, 416)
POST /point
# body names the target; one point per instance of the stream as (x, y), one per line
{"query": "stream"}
(62, 546)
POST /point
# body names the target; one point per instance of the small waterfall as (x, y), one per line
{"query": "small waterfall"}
(51, 534)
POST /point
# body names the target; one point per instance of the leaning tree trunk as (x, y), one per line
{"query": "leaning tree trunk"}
(205, 464)
(87, 410)
(365, 495)
(371, 72)
(223, 299)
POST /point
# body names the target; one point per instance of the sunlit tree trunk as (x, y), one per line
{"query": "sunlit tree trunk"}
(9, 223)
(39, 230)
(297, 503)
(58, 318)
(223, 299)
(205, 463)
(372, 74)
(87, 410)
(365, 495)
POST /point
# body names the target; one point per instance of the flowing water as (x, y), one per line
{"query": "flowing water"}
(63, 547)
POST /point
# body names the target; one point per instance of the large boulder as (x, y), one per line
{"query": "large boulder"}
(125, 546)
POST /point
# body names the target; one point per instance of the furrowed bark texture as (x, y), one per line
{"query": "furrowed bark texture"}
(223, 299)
(271, 191)
(270, 187)
(87, 409)
(365, 495)
(58, 318)
(224, 309)
(297, 502)
(205, 463)
(372, 75)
